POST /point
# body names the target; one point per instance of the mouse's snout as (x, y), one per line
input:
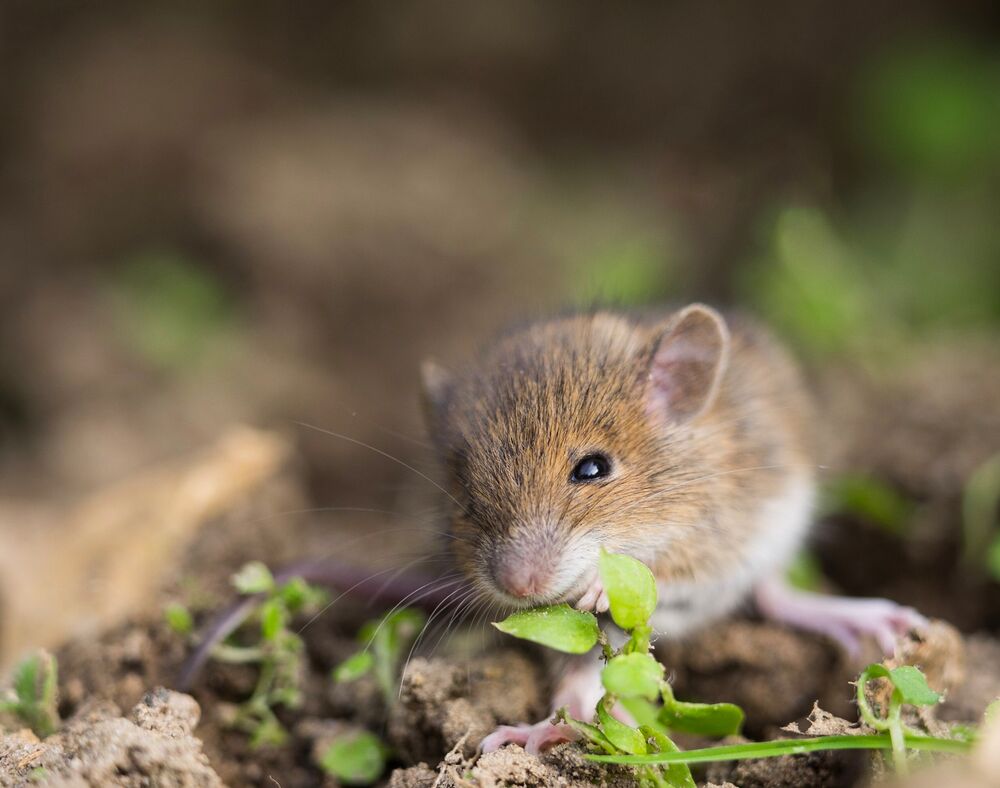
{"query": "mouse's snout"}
(522, 576)
(532, 566)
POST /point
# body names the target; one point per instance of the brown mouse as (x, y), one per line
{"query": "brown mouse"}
(684, 440)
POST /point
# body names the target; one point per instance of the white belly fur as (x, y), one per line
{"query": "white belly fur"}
(784, 521)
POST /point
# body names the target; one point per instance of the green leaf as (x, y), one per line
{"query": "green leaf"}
(678, 775)
(253, 578)
(268, 733)
(356, 758)
(26, 680)
(591, 733)
(559, 627)
(633, 675)
(912, 686)
(626, 739)
(272, 619)
(704, 719)
(354, 667)
(992, 713)
(36, 684)
(630, 587)
(178, 618)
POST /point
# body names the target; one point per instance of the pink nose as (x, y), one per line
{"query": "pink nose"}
(521, 579)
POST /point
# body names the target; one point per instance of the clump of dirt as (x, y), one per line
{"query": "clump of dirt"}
(561, 767)
(774, 673)
(445, 704)
(968, 701)
(154, 745)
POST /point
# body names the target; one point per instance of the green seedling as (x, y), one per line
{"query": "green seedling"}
(178, 618)
(633, 678)
(383, 642)
(358, 757)
(33, 698)
(277, 651)
(909, 687)
(355, 757)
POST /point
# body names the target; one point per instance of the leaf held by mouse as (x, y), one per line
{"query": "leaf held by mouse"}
(689, 361)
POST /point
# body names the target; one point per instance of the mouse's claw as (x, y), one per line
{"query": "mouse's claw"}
(594, 597)
(534, 738)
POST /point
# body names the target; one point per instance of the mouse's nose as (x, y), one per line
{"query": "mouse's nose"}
(522, 578)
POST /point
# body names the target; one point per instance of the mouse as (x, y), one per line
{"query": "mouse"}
(683, 438)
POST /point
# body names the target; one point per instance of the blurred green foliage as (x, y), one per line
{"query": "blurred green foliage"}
(170, 309)
(869, 499)
(933, 109)
(627, 272)
(916, 246)
(804, 572)
(981, 517)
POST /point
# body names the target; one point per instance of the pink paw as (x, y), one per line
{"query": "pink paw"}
(881, 619)
(845, 619)
(534, 738)
(594, 598)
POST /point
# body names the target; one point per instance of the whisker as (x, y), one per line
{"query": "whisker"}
(385, 454)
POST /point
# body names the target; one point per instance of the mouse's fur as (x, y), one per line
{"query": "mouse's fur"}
(707, 425)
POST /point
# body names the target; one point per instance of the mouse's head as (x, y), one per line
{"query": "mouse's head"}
(566, 437)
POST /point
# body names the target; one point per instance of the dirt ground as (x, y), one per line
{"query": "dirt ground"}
(451, 694)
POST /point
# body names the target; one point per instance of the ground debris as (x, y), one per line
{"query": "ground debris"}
(154, 745)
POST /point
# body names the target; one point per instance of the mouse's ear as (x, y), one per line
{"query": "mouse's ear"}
(687, 363)
(436, 384)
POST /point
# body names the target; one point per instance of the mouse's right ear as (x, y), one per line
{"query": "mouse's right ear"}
(436, 391)
(687, 363)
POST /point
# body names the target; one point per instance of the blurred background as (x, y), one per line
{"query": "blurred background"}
(226, 213)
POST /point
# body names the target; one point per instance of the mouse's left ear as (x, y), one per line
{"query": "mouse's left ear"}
(687, 363)
(436, 389)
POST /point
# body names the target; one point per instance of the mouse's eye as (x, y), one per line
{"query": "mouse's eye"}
(591, 468)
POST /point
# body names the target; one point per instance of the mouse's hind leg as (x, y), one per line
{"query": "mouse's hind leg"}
(844, 619)
(578, 688)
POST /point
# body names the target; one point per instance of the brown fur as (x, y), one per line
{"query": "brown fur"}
(510, 427)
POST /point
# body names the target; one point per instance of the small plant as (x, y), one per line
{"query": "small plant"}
(33, 698)
(908, 686)
(278, 652)
(355, 757)
(178, 618)
(383, 641)
(633, 678)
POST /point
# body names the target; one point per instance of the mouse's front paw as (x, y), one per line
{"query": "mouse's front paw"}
(594, 597)
(534, 738)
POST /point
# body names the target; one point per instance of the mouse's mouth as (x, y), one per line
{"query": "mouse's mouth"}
(570, 591)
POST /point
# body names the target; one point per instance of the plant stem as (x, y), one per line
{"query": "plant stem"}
(896, 734)
(772, 749)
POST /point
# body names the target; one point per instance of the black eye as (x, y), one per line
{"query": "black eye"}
(590, 468)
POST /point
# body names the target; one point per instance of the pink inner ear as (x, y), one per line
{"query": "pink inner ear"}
(683, 371)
